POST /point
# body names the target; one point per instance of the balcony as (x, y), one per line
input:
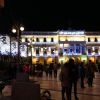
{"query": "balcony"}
(44, 55)
(72, 41)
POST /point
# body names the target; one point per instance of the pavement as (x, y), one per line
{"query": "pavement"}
(54, 86)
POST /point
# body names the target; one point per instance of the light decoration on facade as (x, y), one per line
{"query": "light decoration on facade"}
(23, 50)
(71, 32)
(4, 45)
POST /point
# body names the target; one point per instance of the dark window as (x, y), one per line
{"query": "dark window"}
(77, 51)
(37, 39)
(52, 40)
(88, 39)
(52, 51)
(25, 39)
(95, 39)
(65, 50)
(44, 39)
(89, 50)
(45, 52)
(37, 51)
(96, 50)
(71, 50)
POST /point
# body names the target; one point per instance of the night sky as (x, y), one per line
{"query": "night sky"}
(50, 15)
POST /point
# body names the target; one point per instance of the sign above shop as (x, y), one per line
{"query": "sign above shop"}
(71, 32)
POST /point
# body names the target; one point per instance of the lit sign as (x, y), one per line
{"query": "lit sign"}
(71, 32)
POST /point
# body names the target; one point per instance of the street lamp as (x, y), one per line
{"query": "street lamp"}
(16, 29)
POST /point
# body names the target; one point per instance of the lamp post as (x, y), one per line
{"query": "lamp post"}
(16, 29)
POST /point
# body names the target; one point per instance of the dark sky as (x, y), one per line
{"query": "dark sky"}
(50, 15)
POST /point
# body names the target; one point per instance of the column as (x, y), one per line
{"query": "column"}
(75, 48)
(84, 48)
(69, 49)
(58, 48)
(63, 48)
(80, 48)
(27, 51)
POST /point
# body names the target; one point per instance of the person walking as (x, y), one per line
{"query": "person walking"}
(73, 75)
(65, 82)
(55, 67)
(82, 74)
(90, 73)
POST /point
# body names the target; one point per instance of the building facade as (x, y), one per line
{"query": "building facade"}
(62, 45)
(58, 46)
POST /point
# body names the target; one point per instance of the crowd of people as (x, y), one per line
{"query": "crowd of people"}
(72, 71)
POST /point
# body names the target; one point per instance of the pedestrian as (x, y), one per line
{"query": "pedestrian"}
(65, 82)
(73, 75)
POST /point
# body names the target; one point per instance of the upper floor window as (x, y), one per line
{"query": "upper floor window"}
(44, 39)
(37, 51)
(52, 40)
(25, 39)
(89, 50)
(71, 50)
(95, 39)
(77, 50)
(65, 50)
(52, 51)
(37, 39)
(88, 39)
(45, 52)
(96, 50)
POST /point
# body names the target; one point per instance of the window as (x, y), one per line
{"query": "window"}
(95, 39)
(45, 52)
(52, 51)
(96, 50)
(44, 39)
(77, 51)
(88, 39)
(37, 51)
(37, 39)
(25, 39)
(89, 50)
(65, 50)
(71, 50)
(52, 40)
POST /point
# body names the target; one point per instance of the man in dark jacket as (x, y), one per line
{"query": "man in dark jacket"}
(73, 75)
(82, 74)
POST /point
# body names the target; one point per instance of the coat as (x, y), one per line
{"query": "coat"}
(66, 81)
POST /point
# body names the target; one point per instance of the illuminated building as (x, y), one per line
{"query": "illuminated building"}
(59, 46)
